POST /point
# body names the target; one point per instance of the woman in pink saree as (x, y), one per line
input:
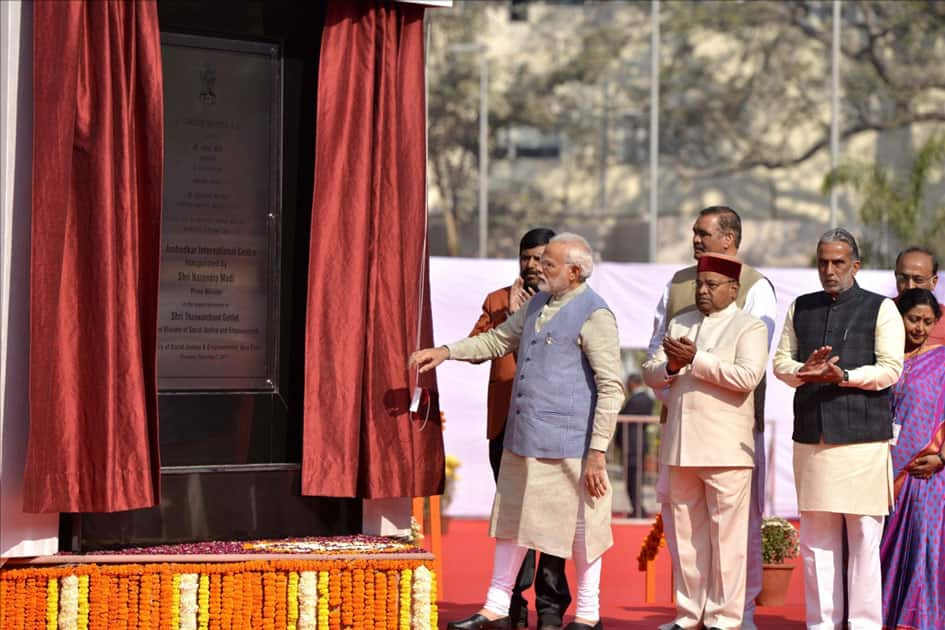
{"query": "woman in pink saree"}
(914, 537)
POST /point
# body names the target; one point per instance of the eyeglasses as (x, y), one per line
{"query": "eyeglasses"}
(711, 286)
(903, 278)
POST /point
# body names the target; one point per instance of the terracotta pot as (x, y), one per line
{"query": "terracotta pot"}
(775, 580)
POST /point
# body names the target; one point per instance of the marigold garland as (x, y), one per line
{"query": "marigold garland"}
(203, 602)
(52, 603)
(434, 611)
(216, 601)
(334, 599)
(405, 583)
(393, 597)
(83, 619)
(175, 602)
(69, 602)
(420, 612)
(292, 601)
(384, 594)
(311, 600)
(367, 609)
(380, 600)
(651, 544)
(347, 597)
(322, 598)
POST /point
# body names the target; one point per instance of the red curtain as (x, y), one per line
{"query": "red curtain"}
(368, 279)
(97, 171)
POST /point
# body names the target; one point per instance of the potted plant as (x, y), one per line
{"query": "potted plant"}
(779, 544)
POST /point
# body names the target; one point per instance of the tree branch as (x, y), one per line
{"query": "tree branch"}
(823, 142)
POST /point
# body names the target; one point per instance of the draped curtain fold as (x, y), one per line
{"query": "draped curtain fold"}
(95, 254)
(368, 278)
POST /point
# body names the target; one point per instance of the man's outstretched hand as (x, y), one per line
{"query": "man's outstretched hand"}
(428, 358)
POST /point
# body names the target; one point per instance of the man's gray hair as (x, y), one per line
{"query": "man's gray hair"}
(840, 234)
(579, 253)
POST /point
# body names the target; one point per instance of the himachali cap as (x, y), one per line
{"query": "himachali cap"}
(719, 263)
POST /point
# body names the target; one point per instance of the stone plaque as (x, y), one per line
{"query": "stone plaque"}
(218, 318)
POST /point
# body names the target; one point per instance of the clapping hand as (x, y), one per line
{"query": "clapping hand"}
(518, 295)
(679, 353)
(818, 368)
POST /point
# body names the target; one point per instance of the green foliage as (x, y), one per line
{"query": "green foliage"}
(779, 541)
(898, 200)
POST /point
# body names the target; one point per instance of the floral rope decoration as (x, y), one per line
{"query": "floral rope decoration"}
(269, 600)
(216, 602)
(175, 602)
(393, 598)
(69, 602)
(334, 599)
(650, 546)
(188, 601)
(52, 603)
(420, 619)
(381, 594)
(357, 597)
(309, 601)
(434, 611)
(404, 603)
(347, 605)
(292, 601)
(84, 608)
(380, 600)
(203, 602)
(368, 609)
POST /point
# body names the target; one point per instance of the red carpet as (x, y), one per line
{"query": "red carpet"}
(467, 566)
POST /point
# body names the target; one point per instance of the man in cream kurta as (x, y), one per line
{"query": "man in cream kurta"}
(712, 359)
(842, 349)
(552, 466)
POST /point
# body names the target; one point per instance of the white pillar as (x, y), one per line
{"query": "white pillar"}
(20, 534)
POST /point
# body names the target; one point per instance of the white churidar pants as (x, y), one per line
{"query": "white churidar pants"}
(821, 551)
(508, 561)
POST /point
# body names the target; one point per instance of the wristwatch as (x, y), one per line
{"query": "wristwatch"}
(846, 377)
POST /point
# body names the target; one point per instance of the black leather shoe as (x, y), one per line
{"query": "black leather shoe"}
(518, 619)
(478, 622)
(583, 626)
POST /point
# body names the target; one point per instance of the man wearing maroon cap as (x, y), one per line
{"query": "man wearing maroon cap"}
(718, 230)
(711, 360)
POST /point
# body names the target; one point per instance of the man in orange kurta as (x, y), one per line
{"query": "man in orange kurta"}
(552, 596)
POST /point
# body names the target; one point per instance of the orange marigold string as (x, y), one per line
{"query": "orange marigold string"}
(281, 586)
(269, 601)
(216, 605)
(133, 603)
(166, 591)
(347, 603)
(369, 607)
(380, 599)
(334, 599)
(393, 599)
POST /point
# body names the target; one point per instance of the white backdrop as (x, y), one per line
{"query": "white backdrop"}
(458, 288)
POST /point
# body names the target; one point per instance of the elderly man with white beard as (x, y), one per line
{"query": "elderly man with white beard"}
(566, 395)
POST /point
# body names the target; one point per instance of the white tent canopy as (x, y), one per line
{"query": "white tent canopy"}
(458, 288)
